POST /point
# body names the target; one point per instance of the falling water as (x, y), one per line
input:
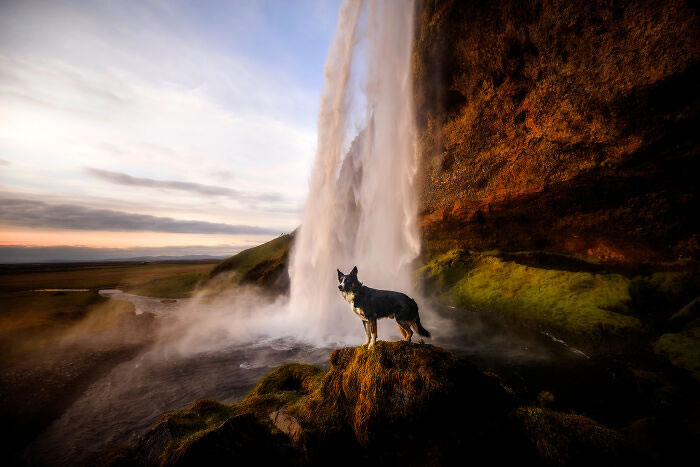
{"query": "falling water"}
(361, 208)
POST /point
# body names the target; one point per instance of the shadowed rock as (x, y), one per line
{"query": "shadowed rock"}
(395, 404)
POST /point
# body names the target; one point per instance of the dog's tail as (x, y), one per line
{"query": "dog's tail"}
(421, 330)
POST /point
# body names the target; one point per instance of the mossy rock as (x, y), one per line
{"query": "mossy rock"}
(394, 404)
(682, 349)
(583, 304)
(572, 440)
(296, 377)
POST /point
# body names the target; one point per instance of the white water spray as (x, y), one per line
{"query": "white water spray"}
(361, 208)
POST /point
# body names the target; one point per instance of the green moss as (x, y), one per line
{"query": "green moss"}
(203, 415)
(672, 283)
(580, 303)
(282, 386)
(206, 415)
(682, 349)
(178, 286)
(289, 377)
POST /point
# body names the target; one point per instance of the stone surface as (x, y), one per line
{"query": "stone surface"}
(568, 127)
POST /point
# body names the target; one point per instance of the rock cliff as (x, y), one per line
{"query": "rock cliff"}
(566, 127)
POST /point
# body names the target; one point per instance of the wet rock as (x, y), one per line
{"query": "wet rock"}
(287, 424)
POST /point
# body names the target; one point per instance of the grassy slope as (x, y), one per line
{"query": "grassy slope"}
(263, 264)
(584, 304)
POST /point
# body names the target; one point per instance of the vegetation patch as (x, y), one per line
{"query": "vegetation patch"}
(31, 321)
(296, 377)
(579, 303)
(176, 286)
(682, 349)
(264, 265)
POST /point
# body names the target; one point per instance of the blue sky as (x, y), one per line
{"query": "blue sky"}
(128, 124)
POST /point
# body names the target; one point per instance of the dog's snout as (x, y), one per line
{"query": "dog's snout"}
(340, 287)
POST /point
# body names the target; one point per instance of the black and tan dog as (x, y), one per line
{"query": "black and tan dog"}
(372, 304)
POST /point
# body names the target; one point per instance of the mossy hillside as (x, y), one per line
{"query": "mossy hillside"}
(264, 265)
(580, 303)
(682, 349)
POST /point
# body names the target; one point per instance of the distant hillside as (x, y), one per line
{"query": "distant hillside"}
(264, 265)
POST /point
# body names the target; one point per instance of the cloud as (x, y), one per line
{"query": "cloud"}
(4, 162)
(24, 254)
(29, 213)
(206, 190)
(173, 96)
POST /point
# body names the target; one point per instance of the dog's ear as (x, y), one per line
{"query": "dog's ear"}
(340, 275)
(354, 271)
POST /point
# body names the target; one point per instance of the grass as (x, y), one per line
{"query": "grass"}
(277, 388)
(290, 377)
(176, 286)
(261, 264)
(250, 258)
(98, 276)
(682, 349)
(30, 321)
(580, 303)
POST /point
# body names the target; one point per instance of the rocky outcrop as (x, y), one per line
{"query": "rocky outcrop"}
(395, 404)
(566, 127)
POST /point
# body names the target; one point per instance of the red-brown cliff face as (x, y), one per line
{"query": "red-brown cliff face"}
(568, 127)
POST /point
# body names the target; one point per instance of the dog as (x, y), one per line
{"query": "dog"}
(372, 304)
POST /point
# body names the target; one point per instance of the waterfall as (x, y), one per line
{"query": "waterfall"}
(361, 208)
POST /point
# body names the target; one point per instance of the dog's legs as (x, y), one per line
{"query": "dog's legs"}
(368, 331)
(403, 333)
(373, 329)
(405, 328)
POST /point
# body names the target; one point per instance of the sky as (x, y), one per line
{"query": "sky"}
(154, 125)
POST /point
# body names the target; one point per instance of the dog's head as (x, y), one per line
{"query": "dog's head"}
(348, 282)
